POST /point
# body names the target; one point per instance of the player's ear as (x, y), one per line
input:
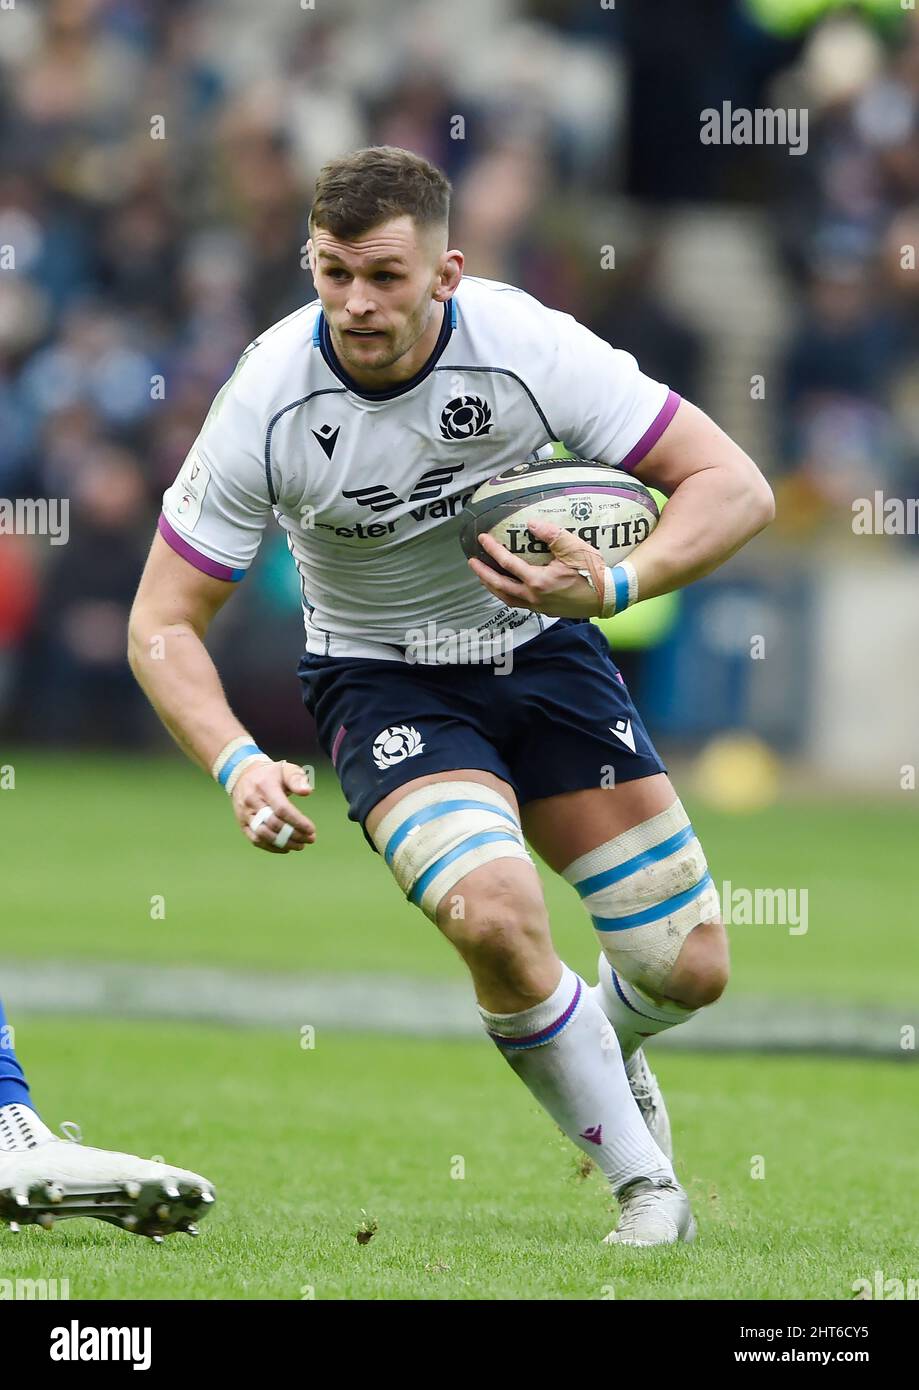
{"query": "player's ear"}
(311, 255)
(451, 272)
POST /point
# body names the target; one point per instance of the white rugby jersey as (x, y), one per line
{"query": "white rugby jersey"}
(369, 486)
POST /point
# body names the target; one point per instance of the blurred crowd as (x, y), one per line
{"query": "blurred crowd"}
(156, 170)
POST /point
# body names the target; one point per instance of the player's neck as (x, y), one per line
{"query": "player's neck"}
(410, 364)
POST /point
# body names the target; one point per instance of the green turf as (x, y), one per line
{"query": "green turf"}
(89, 841)
(301, 1143)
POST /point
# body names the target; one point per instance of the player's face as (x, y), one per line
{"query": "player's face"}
(379, 294)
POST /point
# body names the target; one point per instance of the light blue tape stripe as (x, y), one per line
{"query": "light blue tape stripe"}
(621, 586)
(247, 750)
(439, 808)
(486, 837)
(639, 861)
(653, 914)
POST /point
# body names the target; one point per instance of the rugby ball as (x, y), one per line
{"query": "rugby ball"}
(604, 506)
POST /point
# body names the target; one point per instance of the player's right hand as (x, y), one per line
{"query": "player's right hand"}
(267, 785)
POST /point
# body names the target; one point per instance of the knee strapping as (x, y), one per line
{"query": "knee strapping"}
(646, 890)
(439, 833)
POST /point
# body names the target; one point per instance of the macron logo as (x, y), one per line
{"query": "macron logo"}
(327, 438)
(623, 731)
(594, 1134)
(76, 1343)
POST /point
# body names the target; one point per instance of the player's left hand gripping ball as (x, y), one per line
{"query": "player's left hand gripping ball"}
(570, 586)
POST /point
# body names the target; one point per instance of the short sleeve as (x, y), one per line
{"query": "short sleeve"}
(603, 406)
(215, 512)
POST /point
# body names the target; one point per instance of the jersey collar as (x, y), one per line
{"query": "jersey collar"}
(323, 340)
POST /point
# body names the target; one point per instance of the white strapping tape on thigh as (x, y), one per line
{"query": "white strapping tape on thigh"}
(442, 831)
(646, 890)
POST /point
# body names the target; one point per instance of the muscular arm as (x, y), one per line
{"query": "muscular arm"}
(718, 501)
(172, 611)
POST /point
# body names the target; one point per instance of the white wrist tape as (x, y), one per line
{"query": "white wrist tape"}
(620, 588)
(232, 761)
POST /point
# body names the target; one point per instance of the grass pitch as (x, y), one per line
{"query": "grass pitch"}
(307, 1147)
(125, 840)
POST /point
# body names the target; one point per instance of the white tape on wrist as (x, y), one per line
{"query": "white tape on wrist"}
(233, 760)
(620, 589)
(608, 600)
(243, 766)
(226, 753)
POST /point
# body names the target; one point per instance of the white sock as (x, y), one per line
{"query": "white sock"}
(566, 1053)
(20, 1128)
(634, 1014)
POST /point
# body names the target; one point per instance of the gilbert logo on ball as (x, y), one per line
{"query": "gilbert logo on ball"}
(600, 504)
(395, 744)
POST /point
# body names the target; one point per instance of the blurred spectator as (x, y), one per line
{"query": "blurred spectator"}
(94, 363)
(845, 340)
(18, 599)
(629, 310)
(155, 183)
(76, 684)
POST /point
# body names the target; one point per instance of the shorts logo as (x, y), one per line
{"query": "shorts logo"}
(396, 744)
(623, 730)
(465, 417)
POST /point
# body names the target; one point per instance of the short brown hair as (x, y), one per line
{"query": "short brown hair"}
(370, 186)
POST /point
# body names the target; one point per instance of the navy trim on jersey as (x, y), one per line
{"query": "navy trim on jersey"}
(332, 362)
(505, 371)
(323, 391)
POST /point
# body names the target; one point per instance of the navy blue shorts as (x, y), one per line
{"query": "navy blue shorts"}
(557, 722)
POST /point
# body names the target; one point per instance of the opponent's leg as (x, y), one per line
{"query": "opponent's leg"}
(454, 844)
(43, 1178)
(20, 1126)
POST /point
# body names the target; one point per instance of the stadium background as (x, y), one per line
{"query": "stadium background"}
(155, 179)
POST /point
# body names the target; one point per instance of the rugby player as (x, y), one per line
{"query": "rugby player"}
(363, 422)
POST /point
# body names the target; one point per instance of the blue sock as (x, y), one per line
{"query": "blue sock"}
(13, 1085)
